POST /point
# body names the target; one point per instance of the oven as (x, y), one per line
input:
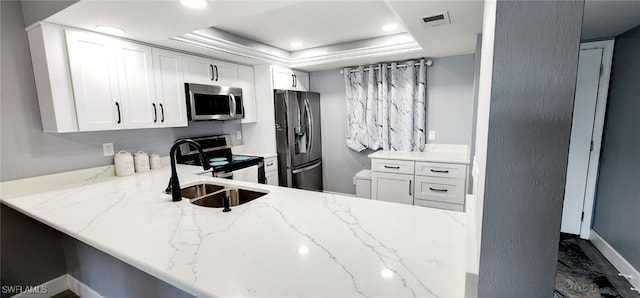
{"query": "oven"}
(224, 164)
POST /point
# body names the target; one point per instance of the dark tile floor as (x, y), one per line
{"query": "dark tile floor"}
(584, 272)
(66, 294)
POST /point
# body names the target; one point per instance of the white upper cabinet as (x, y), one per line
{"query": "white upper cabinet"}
(287, 79)
(198, 70)
(93, 66)
(225, 74)
(170, 94)
(121, 84)
(88, 81)
(246, 81)
(205, 71)
(137, 87)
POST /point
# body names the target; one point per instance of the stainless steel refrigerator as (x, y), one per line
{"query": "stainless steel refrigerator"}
(298, 139)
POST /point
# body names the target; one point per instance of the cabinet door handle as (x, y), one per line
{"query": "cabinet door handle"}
(390, 167)
(212, 72)
(410, 187)
(119, 116)
(217, 75)
(269, 164)
(162, 111)
(439, 171)
(155, 113)
(293, 80)
(438, 189)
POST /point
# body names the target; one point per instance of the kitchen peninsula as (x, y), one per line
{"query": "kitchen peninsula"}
(287, 243)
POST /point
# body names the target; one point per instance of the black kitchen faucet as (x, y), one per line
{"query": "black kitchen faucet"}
(174, 183)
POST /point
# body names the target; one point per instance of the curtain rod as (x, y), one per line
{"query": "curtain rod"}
(427, 62)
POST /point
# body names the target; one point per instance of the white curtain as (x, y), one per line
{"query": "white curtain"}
(386, 106)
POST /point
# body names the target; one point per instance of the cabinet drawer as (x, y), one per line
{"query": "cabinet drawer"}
(392, 166)
(445, 170)
(270, 164)
(445, 190)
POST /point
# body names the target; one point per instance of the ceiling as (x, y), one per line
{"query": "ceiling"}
(342, 32)
(315, 23)
(607, 19)
(333, 33)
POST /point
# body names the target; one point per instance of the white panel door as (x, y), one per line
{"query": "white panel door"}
(92, 61)
(225, 74)
(137, 88)
(283, 79)
(272, 178)
(198, 70)
(389, 187)
(581, 136)
(302, 81)
(170, 92)
(246, 81)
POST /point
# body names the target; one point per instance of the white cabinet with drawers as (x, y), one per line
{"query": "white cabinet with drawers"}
(271, 170)
(420, 178)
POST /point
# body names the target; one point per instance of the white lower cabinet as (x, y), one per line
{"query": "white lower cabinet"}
(271, 170)
(392, 187)
(427, 184)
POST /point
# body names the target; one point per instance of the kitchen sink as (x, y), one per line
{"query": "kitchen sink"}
(200, 190)
(214, 195)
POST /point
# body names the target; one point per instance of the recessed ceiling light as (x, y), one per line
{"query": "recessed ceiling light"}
(194, 3)
(109, 30)
(390, 27)
(296, 44)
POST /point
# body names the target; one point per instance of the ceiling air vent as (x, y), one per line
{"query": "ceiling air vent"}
(436, 20)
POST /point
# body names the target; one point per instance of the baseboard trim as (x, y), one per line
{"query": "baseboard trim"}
(616, 259)
(80, 288)
(58, 285)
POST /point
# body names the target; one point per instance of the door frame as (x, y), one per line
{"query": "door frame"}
(598, 128)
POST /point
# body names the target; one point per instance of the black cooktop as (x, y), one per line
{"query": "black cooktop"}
(221, 160)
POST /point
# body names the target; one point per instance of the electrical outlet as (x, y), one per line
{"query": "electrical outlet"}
(107, 149)
(239, 135)
(432, 135)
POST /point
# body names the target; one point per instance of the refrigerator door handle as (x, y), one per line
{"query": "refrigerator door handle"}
(307, 107)
(313, 166)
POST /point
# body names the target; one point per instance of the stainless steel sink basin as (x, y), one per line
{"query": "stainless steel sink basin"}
(199, 190)
(214, 195)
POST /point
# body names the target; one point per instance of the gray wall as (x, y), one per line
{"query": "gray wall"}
(535, 61)
(618, 194)
(111, 277)
(34, 10)
(31, 253)
(26, 151)
(449, 112)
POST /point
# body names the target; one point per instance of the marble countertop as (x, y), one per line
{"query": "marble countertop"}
(447, 153)
(289, 243)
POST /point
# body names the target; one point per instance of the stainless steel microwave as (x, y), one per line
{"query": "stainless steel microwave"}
(205, 102)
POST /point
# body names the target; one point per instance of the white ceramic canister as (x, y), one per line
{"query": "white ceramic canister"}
(141, 161)
(154, 160)
(124, 163)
